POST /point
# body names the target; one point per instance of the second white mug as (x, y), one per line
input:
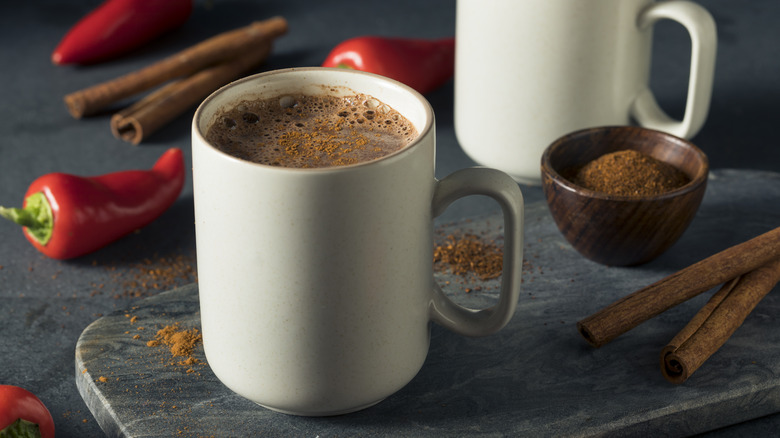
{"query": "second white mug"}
(528, 72)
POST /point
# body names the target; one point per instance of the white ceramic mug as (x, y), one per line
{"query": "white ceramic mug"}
(316, 286)
(528, 72)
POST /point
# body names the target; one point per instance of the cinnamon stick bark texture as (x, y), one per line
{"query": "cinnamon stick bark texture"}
(228, 45)
(714, 324)
(149, 114)
(632, 310)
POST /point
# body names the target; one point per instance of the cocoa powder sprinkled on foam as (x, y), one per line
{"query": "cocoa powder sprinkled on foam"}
(305, 131)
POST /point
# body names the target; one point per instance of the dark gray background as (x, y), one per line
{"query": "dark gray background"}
(46, 303)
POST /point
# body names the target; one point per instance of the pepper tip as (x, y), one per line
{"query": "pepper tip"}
(56, 58)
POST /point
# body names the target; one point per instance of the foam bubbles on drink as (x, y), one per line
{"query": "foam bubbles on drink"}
(287, 102)
(311, 131)
(371, 103)
(229, 123)
(250, 117)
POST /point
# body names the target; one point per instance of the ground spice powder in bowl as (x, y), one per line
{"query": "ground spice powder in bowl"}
(629, 173)
(622, 195)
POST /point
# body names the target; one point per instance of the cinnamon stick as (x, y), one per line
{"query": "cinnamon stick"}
(227, 45)
(631, 310)
(146, 116)
(714, 324)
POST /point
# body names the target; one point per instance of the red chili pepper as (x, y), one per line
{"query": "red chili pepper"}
(23, 414)
(118, 26)
(421, 64)
(66, 216)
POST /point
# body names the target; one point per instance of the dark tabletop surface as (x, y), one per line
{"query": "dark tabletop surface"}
(46, 303)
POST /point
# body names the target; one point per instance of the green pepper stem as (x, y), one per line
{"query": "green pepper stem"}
(21, 429)
(36, 217)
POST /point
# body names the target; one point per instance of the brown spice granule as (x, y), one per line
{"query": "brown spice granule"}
(323, 145)
(469, 254)
(629, 173)
(155, 274)
(189, 361)
(180, 342)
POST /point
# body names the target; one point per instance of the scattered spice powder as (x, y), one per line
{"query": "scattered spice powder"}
(181, 343)
(151, 275)
(468, 253)
(629, 173)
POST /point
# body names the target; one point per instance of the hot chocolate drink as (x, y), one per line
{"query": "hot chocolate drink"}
(306, 131)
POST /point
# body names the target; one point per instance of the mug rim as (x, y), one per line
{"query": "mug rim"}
(428, 125)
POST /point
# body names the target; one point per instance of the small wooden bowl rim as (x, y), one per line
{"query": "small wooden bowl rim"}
(694, 184)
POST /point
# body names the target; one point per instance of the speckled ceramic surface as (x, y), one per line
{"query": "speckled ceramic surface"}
(316, 285)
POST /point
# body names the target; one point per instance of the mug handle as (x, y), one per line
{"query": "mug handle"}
(503, 189)
(701, 27)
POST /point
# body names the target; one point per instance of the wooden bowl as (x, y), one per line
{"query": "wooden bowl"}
(621, 230)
